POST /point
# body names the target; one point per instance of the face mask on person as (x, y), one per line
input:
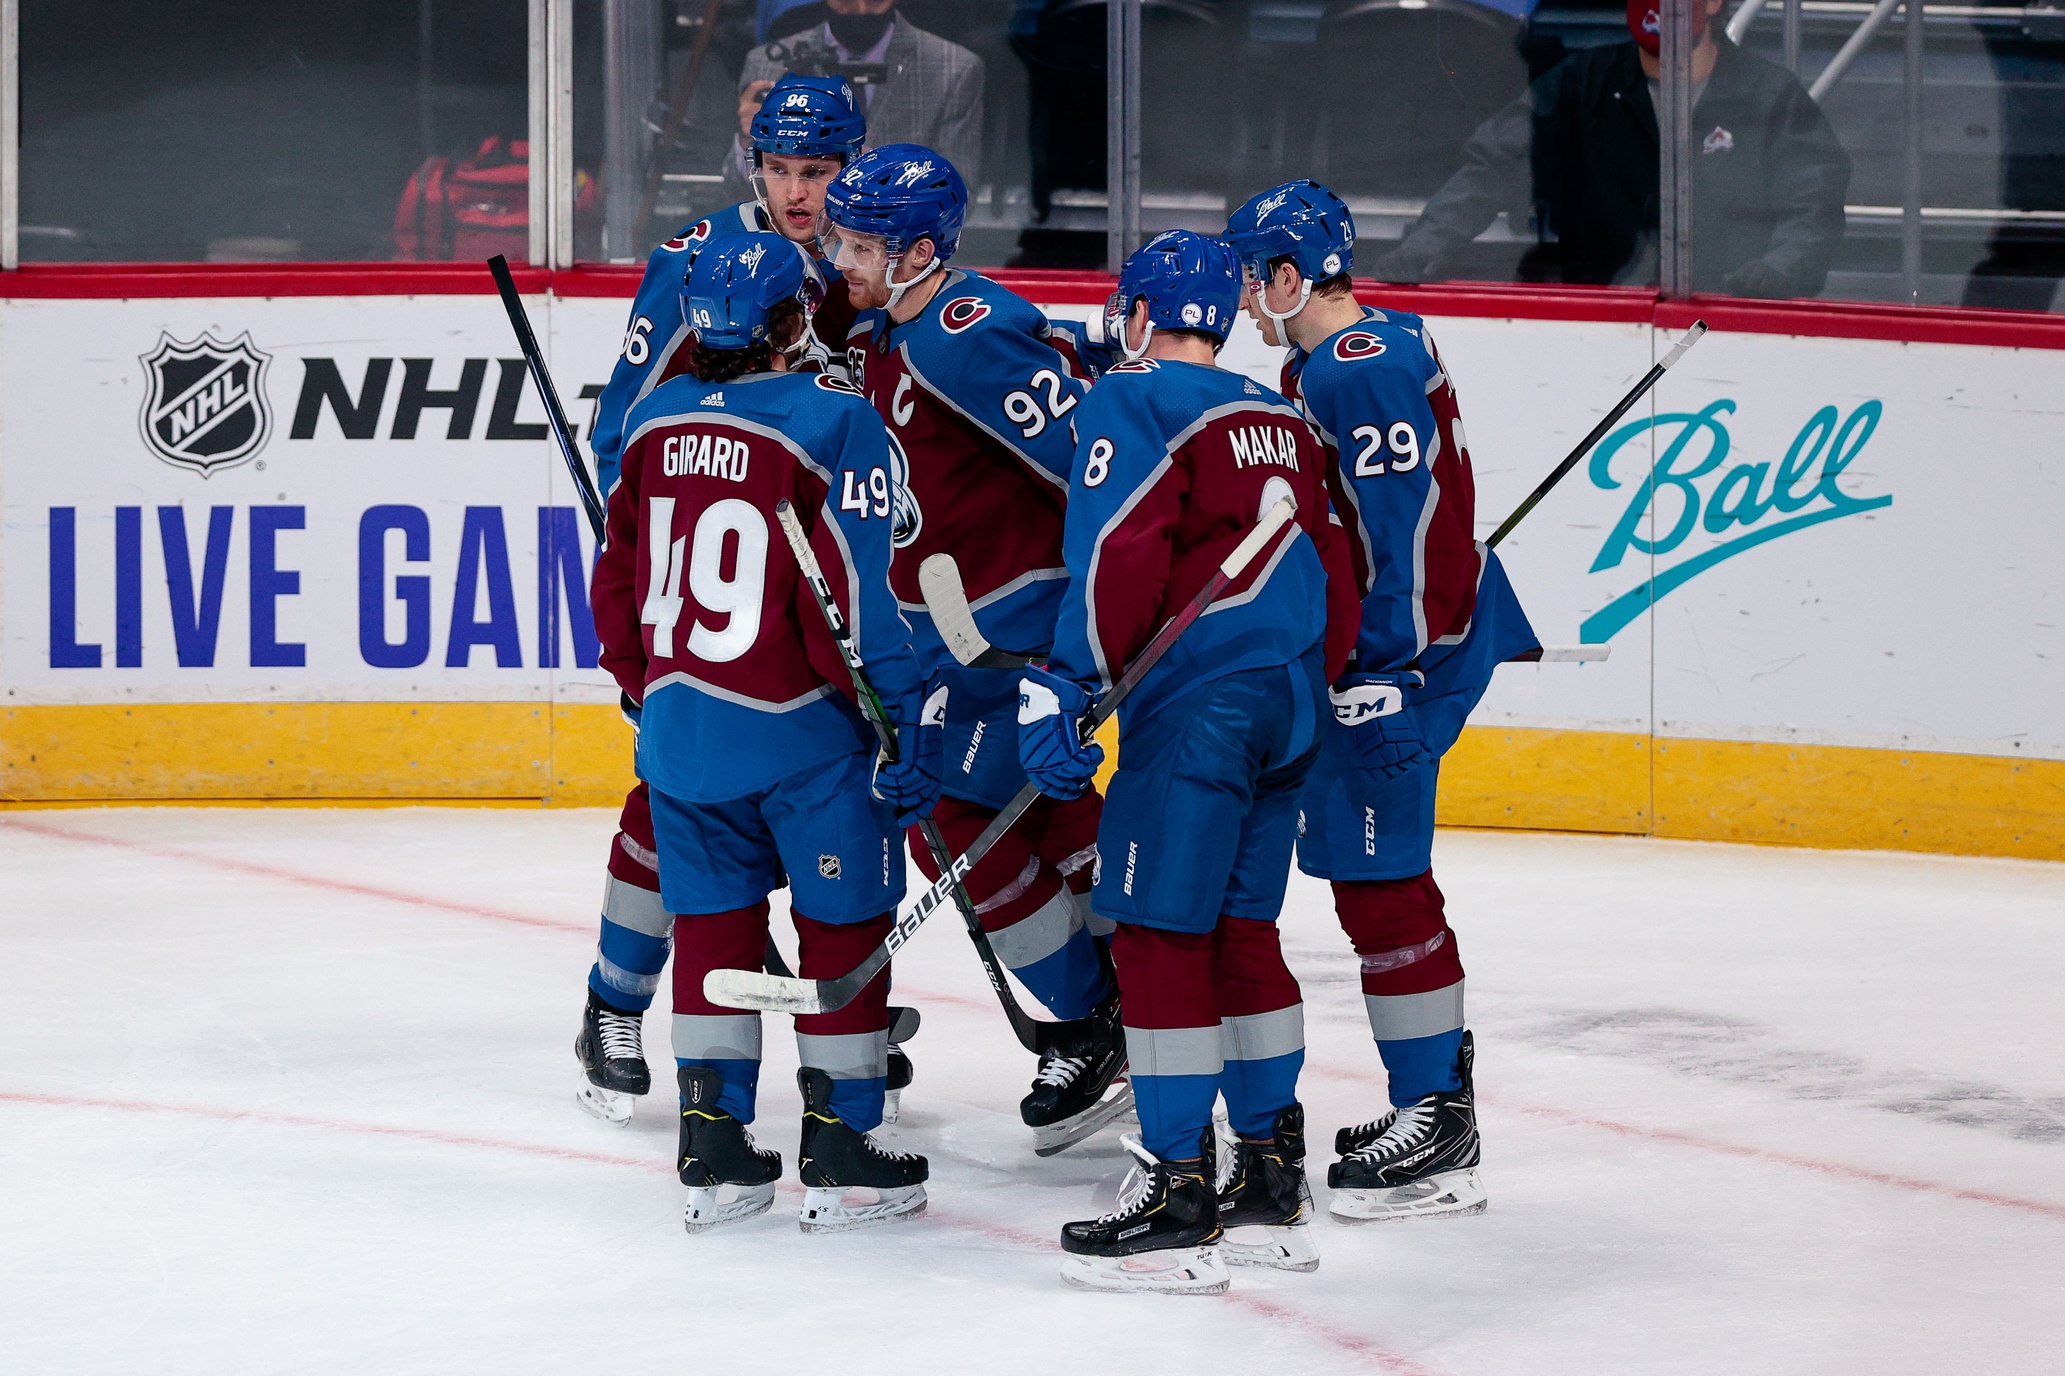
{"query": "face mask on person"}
(1646, 25)
(857, 33)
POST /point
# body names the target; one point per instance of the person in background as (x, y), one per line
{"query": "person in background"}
(1768, 174)
(930, 92)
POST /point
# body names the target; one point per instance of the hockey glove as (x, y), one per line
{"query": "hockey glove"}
(910, 782)
(1050, 742)
(631, 710)
(1376, 710)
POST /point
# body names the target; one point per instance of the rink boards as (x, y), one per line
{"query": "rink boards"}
(318, 547)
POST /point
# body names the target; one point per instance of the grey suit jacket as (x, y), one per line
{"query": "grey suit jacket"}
(933, 95)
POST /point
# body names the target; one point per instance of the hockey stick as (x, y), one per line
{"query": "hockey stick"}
(555, 415)
(751, 989)
(1027, 1030)
(1662, 366)
(939, 578)
(563, 435)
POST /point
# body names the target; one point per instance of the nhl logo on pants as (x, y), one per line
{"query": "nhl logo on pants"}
(204, 403)
(828, 866)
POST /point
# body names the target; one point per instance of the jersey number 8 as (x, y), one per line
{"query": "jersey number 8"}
(1025, 411)
(740, 596)
(1401, 440)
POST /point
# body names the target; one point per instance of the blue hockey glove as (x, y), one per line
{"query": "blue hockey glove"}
(910, 783)
(1050, 743)
(1377, 709)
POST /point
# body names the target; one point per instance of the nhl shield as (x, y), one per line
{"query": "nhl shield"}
(204, 402)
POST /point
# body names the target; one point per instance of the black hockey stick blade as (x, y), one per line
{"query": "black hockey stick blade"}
(752, 989)
(939, 578)
(1584, 446)
(555, 414)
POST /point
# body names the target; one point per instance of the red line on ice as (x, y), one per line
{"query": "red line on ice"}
(258, 871)
(1266, 1308)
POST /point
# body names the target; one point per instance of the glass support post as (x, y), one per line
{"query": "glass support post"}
(1912, 25)
(540, 134)
(1674, 128)
(1122, 132)
(559, 140)
(10, 135)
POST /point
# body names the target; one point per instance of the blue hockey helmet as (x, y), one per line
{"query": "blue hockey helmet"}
(1189, 281)
(900, 193)
(1301, 221)
(809, 117)
(734, 285)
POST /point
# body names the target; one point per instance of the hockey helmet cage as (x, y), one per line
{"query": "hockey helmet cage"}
(1189, 282)
(734, 285)
(901, 193)
(809, 117)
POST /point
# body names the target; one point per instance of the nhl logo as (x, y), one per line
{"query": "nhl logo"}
(828, 866)
(204, 403)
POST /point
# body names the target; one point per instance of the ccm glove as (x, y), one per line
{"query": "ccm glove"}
(1050, 741)
(1375, 710)
(910, 782)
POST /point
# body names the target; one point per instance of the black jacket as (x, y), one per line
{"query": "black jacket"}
(1768, 178)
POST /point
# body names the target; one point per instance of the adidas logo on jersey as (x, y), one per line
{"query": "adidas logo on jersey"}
(1254, 445)
(714, 399)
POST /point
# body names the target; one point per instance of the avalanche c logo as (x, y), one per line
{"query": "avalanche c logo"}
(690, 239)
(958, 315)
(1356, 344)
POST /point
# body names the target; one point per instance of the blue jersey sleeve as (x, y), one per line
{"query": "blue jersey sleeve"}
(1367, 393)
(853, 542)
(1009, 380)
(1124, 499)
(651, 336)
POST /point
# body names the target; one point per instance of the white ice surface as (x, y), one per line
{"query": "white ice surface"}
(292, 1090)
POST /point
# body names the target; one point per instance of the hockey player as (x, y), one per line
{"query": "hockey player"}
(1437, 615)
(1176, 461)
(808, 128)
(758, 767)
(978, 403)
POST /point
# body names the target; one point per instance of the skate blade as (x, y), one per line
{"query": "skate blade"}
(1452, 1194)
(1059, 1137)
(607, 1104)
(1176, 1271)
(710, 1205)
(836, 1208)
(1278, 1248)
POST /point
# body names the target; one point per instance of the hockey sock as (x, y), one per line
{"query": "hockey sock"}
(725, 1039)
(1173, 1038)
(1263, 1015)
(1412, 979)
(637, 929)
(850, 1044)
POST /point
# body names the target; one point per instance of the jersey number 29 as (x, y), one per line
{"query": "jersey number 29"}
(740, 595)
(1401, 441)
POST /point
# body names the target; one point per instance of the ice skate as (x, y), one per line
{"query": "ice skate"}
(728, 1177)
(1421, 1162)
(612, 1055)
(1162, 1236)
(1265, 1202)
(849, 1180)
(1079, 1088)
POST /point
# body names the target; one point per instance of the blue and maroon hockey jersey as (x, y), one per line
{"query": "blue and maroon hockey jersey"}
(703, 614)
(1175, 464)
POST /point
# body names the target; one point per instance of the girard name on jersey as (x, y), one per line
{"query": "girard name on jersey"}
(700, 456)
(1260, 444)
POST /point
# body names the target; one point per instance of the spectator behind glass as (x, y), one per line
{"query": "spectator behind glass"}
(930, 91)
(1768, 174)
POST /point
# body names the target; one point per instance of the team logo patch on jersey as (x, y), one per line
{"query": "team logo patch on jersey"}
(689, 239)
(1357, 344)
(957, 315)
(204, 403)
(906, 517)
(828, 866)
(1138, 365)
(837, 384)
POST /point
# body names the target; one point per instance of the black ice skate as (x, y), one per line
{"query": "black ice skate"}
(1161, 1238)
(848, 1180)
(1421, 1161)
(1072, 1094)
(1265, 1203)
(728, 1178)
(613, 1056)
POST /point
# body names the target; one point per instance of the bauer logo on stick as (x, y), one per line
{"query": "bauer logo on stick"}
(204, 403)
